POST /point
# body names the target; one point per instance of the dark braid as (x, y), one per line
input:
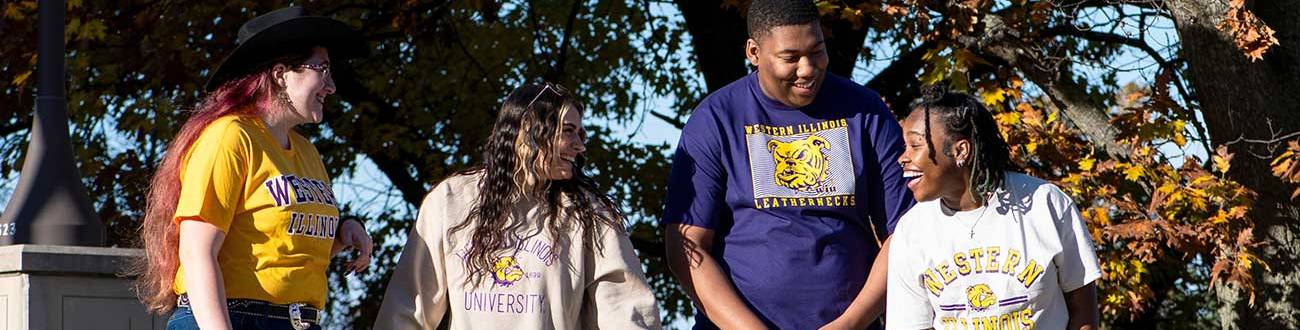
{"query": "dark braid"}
(965, 117)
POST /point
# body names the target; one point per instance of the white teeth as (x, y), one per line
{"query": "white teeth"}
(911, 174)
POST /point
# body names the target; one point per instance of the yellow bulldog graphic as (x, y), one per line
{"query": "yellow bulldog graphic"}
(506, 271)
(800, 164)
(980, 297)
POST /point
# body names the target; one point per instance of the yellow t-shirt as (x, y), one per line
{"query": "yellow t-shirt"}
(276, 207)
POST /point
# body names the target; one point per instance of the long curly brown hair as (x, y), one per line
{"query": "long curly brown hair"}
(519, 150)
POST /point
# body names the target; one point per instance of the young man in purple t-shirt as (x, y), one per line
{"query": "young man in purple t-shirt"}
(782, 184)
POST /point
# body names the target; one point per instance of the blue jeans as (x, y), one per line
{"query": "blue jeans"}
(183, 319)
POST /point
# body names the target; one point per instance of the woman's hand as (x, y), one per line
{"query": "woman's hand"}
(353, 235)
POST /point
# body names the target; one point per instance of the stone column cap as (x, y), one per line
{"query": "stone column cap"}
(69, 260)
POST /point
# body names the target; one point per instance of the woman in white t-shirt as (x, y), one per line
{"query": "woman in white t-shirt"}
(983, 247)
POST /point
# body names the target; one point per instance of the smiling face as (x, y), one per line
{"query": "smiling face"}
(568, 145)
(307, 85)
(791, 61)
(930, 172)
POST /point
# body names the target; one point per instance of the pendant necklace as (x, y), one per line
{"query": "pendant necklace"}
(976, 223)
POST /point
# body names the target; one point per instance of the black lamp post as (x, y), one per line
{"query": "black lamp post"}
(50, 205)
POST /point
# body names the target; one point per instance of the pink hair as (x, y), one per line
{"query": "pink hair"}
(250, 95)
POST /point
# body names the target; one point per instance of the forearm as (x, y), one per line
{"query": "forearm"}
(1082, 304)
(712, 291)
(207, 294)
(706, 283)
(870, 302)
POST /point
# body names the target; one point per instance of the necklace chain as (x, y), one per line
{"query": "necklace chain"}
(974, 224)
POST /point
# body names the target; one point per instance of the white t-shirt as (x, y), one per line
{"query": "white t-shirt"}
(1029, 247)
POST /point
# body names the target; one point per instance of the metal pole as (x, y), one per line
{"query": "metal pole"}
(50, 205)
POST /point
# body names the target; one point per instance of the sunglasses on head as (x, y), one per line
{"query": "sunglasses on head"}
(546, 87)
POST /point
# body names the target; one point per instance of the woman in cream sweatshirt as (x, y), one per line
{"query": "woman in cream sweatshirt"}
(523, 241)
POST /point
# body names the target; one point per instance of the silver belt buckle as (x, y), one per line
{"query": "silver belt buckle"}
(295, 317)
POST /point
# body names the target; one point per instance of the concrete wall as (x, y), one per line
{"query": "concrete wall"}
(62, 287)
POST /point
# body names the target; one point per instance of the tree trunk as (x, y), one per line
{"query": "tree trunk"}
(717, 39)
(844, 42)
(1246, 105)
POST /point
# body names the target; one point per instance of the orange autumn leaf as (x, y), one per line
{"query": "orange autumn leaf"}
(1287, 166)
(1222, 159)
(1249, 32)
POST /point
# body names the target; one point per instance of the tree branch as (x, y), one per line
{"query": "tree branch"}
(395, 167)
(1106, 38)
(1056, 79)
(557, 71)
(1141, 45)
(678, 123)
(460, 44)
(1076, 4)
(898, 83)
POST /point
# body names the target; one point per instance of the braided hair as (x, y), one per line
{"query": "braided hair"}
(965, 117)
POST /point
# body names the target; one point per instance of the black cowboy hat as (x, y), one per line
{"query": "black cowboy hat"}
(263, 36)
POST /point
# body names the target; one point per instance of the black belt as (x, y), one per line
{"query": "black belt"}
(301, 316)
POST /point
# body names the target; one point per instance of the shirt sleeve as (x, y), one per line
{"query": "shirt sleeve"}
(617, 296)
(417, 292)
(696, 184)
(907, 307)
(1077, 263)
(214, 175)
(885, 137)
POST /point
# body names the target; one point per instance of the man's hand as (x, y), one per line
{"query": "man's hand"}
(838, 324)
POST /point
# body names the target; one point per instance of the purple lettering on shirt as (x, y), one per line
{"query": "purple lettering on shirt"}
(279, 190)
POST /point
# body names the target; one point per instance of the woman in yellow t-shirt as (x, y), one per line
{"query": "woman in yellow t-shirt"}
(241, 219)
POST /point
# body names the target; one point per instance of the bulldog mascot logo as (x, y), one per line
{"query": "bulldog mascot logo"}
(800, 164)
(506, 271)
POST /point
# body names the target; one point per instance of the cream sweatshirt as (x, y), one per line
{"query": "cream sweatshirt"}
(538, 285)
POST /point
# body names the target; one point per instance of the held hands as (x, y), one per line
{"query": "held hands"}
(353, 235)
(839, 324)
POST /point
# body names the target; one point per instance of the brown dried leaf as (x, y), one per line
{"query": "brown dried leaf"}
(1249, 32)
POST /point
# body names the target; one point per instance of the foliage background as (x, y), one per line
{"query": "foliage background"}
(1185, 168)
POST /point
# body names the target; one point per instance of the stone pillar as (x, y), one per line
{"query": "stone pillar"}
(47, 287)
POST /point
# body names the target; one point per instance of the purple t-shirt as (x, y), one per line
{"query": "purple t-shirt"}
(792, 195)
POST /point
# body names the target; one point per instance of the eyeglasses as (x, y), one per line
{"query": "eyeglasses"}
(323, 68)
